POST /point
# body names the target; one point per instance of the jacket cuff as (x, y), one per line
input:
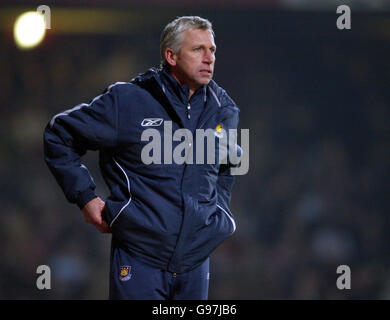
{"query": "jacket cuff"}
(85, 197)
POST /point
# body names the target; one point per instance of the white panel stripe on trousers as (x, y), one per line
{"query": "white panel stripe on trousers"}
(128, 188)
(229, 216)
(79, 106)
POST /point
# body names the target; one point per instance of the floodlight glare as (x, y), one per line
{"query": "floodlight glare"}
(29, 29)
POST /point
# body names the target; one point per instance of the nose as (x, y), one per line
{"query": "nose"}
(208, 57)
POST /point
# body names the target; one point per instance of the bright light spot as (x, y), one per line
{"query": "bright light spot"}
(29, 29)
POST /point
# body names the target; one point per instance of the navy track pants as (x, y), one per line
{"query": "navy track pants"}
(131, 279)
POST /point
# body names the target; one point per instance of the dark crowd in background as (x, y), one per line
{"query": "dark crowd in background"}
(316, 102)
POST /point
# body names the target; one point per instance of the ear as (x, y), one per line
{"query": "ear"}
(171, 57)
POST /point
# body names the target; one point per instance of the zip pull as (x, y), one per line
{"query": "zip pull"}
(188, 111)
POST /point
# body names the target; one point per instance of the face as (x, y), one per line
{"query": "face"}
(194, 63)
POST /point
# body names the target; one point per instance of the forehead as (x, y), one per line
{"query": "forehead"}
(198, 36)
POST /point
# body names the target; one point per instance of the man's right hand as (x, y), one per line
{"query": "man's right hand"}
(92, 212)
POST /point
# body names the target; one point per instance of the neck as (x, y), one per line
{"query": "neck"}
(181, 80)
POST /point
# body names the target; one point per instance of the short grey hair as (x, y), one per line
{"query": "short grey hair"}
(171, 37)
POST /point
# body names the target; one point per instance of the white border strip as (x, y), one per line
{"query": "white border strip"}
(229, 216)
(128, 188)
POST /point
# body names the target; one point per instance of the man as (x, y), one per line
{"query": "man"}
(165, 218)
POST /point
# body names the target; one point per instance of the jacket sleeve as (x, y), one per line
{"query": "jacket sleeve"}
(225, 184)
(226, 181)
(69, 135)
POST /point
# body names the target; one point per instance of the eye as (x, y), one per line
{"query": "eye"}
(197, 49)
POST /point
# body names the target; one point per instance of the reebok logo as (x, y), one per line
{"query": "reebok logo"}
(152, 122)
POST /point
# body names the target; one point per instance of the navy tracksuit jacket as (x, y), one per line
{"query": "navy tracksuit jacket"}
(168, 216)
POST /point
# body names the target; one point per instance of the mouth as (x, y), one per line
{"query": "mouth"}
(209, 72)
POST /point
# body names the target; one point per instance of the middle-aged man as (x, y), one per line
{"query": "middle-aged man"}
(166, 218)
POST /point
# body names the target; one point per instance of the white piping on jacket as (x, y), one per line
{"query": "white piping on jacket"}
(128, 188)
(215, 96)
(79, 106)
(229, 216)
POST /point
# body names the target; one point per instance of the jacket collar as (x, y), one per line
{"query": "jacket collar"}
(152, 82)
(181, 91)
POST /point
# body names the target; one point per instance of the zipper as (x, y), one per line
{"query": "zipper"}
(188, 111)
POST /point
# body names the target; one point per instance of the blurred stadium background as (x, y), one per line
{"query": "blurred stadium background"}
(316, 101)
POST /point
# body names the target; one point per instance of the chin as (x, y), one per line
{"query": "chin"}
(205, 81)
(202, 80)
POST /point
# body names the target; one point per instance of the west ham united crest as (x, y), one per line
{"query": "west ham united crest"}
(125, 273)
(218, 131)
